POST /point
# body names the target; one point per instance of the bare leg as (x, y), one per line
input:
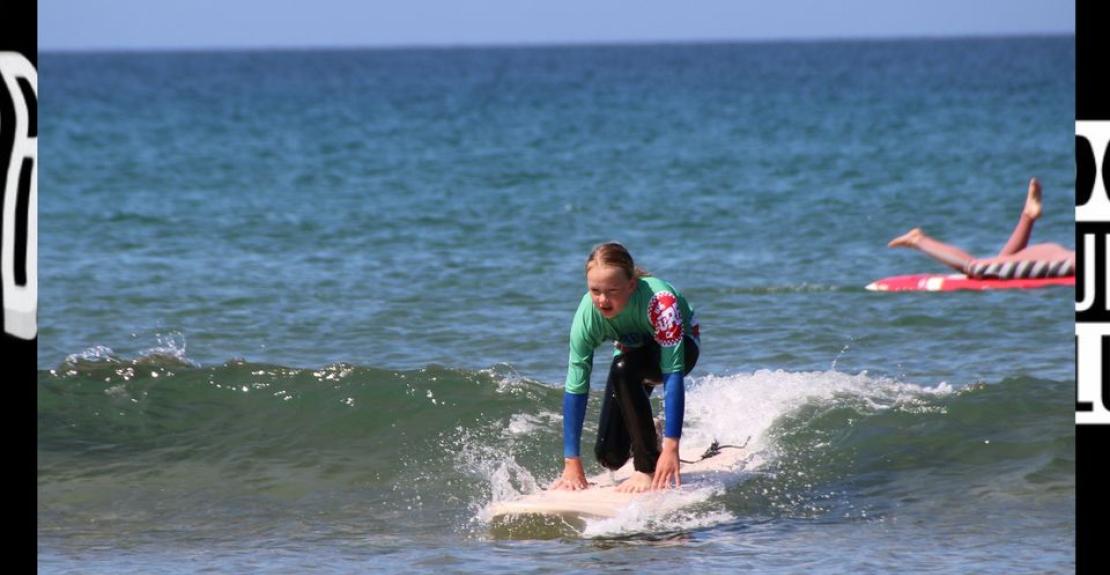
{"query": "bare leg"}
(1020, 236)
(940, 251)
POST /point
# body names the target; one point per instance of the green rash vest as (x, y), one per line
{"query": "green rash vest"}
(656, 310)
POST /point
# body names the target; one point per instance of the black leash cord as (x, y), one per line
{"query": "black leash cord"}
(715, 449)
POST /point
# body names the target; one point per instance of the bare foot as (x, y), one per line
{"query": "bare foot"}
(638, 483)
(906, 240)
(1033, 200)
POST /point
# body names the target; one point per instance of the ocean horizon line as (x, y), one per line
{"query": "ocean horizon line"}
(545, 45)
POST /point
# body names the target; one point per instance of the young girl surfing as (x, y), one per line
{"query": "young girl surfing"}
(657, 343)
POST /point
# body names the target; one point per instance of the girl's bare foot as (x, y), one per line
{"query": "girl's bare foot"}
(638, 483)
(906, 240)
(1033, 200)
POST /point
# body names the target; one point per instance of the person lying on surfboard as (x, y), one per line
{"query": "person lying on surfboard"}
(657, 342)
(1017, 260)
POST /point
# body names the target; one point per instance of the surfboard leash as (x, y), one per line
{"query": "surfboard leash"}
(715, 449)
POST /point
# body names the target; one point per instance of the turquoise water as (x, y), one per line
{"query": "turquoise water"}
(309, 309)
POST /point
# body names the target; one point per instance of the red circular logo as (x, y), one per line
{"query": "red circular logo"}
(665, 318)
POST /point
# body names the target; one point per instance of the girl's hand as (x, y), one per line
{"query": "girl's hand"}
(666, 467)
(574, 477)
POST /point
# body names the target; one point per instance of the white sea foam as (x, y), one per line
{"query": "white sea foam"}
(733, 409)
(526, 423)
(664, 512)
(170, 346)
(98, 353)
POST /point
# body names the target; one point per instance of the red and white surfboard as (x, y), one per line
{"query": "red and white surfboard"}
(953, 282)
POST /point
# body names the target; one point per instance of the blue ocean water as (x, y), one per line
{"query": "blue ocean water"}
(309, 309)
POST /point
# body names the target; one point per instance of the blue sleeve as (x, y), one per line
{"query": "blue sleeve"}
(574, 414)
(674, 404)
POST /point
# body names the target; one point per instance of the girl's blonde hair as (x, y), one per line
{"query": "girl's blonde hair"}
(616, 255)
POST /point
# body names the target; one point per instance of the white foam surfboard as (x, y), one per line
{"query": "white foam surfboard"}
(601, 499)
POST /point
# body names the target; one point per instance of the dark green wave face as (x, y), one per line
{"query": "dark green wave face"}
(157, 442)
(958, 453)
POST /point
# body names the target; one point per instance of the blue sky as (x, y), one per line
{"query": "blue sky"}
(168, 24)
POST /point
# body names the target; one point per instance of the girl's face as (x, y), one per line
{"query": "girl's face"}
(610, 289)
